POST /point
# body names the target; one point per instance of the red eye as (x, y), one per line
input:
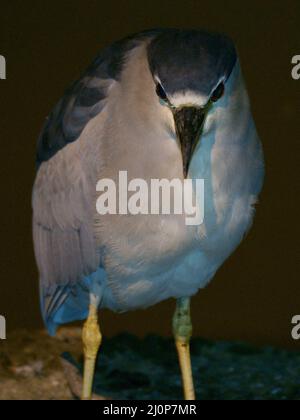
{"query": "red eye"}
(218, 92)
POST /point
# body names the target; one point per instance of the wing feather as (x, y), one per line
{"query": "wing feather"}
(63, 193)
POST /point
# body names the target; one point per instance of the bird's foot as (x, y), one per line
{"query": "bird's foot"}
(182, 330)
(91, 337)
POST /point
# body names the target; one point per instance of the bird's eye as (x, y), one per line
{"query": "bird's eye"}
(161, 92)
(218, 92)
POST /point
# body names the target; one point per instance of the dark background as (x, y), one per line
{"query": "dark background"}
(48, 43)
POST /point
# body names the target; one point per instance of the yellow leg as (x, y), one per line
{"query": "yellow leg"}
(91, 337)
(182, 329)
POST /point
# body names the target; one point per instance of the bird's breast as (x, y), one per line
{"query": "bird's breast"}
(142, 243)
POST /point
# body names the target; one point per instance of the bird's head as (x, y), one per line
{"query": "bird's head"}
(190, 70)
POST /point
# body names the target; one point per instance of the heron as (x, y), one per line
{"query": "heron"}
(160, 104)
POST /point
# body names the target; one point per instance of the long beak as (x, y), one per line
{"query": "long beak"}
(188, 122)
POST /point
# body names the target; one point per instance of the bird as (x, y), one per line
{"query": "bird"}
(164, 103)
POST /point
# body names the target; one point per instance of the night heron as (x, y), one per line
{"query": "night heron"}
(162, 104)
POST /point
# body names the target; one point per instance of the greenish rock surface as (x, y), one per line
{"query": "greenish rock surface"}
(132, 368)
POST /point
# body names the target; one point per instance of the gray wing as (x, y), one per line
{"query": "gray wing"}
(85, 98)
(63, 214)
(63, 227)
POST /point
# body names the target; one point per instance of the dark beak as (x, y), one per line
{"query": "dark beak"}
(188, 122)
